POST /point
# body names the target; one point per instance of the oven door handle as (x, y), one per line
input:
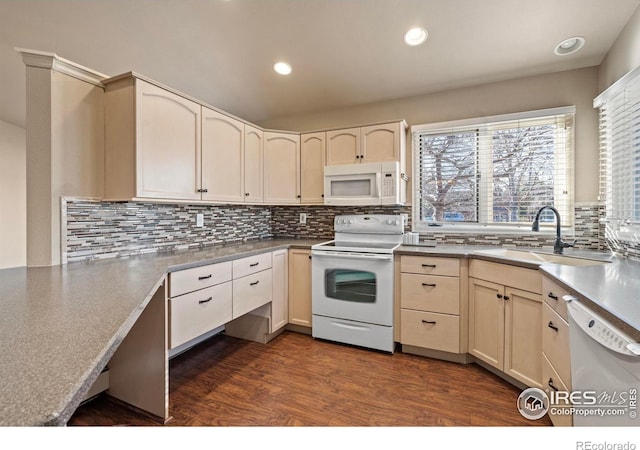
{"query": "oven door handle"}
(360, 256)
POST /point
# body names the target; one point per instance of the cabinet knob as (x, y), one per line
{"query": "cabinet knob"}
(298, 196)
(506, 298)
(499, 295)
(246, 194)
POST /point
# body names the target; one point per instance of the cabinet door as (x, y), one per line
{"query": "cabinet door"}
(380, 143)
(168, 144)
(300, 287)
(343, 146)
(281, 168)
(486, 321)
(523, 336)
(280, 300)
(222, 157)
(312, 162)
(253, 165)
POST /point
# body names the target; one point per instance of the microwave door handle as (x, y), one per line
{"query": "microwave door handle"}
(378, 183)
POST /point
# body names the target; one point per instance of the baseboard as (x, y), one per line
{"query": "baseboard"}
(461, 358)
(298, 329)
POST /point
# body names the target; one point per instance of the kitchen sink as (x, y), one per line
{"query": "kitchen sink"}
(540, 257)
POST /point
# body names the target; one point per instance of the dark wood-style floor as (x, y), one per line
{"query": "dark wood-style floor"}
(296, 380)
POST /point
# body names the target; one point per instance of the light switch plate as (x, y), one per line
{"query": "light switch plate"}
(199, 220)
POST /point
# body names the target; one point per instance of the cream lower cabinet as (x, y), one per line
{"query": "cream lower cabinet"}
(280, 297)
(281, 168)
(430, 312)
(505, 320)
(556, 360)
(300, 287)
(201, 299)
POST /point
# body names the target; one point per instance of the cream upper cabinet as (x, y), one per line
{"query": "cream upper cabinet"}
(505, 321)
(343, 146)
(223, 157)
(373, 143)
(152, 142)
(253, 165)
(312, 162)
(281, 168)
(380, 143)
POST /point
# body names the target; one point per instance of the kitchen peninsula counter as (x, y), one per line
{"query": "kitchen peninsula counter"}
(60, 325)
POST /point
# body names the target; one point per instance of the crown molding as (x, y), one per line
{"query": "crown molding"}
(46, 60)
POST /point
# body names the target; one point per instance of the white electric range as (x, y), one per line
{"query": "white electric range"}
(352, 281)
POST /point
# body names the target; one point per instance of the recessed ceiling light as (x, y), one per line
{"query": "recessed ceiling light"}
(415, 36)
(569, 46)
(282, 68)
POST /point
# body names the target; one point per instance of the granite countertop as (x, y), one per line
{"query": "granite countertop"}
(60, 325)
(612, 288)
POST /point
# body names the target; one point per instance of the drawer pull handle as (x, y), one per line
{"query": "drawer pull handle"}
(206, 277)
(205, 301)
(553, 296)
(432, 266)
(432, 322)
(552, 326)
(429, 284)
(254, 283)
(550, 383)
(499, 295)
(254, 264)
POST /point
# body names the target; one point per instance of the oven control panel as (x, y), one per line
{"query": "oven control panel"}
(369, 224)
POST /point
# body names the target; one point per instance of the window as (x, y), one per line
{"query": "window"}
(494, 171)
(619, 108)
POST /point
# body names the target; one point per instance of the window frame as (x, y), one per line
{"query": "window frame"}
(485, 125)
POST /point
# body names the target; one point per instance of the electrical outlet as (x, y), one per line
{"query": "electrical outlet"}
(405, 219)
(303, 217)
(199, 220)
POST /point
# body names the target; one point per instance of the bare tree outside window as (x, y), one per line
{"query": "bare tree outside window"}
(449, 173)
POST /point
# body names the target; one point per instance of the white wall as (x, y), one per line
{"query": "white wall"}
(624, 55)
(13, 196)
(574, 87)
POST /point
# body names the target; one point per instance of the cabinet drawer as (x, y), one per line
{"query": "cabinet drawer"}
(430, 265)
(430, 330)
(251, 264)
(507, 275)
(196, 313)
(251, 291)
(555, 344)
(552, 294)
(190, 280)
(550, 378)
(430, 293)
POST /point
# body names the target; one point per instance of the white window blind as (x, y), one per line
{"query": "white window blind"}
(495, 171)
(619, 108)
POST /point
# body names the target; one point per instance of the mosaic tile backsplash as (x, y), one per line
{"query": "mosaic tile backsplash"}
(97, 230)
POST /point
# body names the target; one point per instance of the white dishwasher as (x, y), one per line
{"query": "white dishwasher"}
(605, 370)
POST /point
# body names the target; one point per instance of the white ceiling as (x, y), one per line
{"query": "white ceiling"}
(343, 52)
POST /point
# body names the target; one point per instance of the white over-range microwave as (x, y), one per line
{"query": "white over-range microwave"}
(364, 184)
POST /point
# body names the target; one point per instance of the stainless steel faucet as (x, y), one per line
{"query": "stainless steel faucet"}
(558, 245)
